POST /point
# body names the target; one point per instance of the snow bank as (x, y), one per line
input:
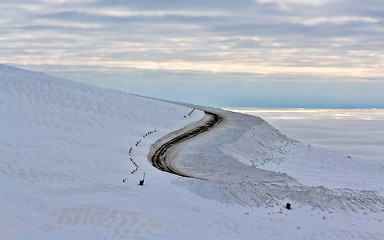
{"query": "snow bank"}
(264, 147)
(355, 132)
(255, 165)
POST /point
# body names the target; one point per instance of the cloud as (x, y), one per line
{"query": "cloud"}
(290, 4)
(60, 2)
(319, 38)
(338, 20)
(119, 13)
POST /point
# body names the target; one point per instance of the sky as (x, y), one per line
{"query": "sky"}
(240, 53)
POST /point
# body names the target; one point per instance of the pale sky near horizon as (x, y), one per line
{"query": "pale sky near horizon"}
(243, 53)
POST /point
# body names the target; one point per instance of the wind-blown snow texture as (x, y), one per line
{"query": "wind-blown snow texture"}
(64, 150)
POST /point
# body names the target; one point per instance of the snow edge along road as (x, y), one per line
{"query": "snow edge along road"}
(158, 152)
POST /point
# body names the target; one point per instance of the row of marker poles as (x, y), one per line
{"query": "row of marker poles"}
(141, 183)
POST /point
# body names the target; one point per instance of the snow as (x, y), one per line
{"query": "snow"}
(64, 150)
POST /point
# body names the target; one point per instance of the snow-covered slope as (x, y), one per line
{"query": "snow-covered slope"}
(252, 157)
(65, 149)
(273, 151)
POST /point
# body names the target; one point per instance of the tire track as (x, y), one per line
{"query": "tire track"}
(160, 159)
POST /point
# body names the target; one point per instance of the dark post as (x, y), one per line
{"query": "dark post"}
(288, 206)
(141, 183)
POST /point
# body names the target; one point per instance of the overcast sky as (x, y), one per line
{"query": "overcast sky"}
(260, 53)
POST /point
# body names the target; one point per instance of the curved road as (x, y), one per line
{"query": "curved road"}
(159, 157)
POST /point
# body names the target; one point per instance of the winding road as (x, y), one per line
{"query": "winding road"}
(160, 160)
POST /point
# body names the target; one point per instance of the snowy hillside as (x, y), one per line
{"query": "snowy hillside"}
(65, 148)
